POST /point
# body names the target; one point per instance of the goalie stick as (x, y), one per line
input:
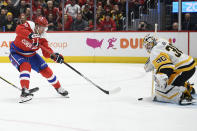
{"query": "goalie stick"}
(152, 86)
(152, 90)
(30, 91)
(103, 90)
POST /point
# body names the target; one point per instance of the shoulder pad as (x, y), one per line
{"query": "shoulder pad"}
(30, 24)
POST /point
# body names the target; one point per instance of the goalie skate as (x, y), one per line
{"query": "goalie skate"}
(186, 99)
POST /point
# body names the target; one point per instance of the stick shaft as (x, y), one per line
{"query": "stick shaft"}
(152, 91)
(10, 83)
(105, 91)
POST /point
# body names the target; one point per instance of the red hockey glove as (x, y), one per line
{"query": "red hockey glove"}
(57, 58)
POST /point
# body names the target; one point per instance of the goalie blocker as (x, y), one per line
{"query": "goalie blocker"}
(173, 70)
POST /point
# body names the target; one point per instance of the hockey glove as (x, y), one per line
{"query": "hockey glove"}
(148, 66)
(57, 58)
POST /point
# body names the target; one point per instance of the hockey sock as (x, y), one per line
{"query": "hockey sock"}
(25, 69)
(48, 74)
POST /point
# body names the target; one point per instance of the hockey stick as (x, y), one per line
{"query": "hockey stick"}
(10, 83)
(30, 91)
(152, 92)
(152, 88)
(105, 91)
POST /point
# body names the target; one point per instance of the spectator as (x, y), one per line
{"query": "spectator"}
(21, 8)
(72, 9)
(38, 13)
(122, 7)
(79, 24)
(10, 8)
(22, 19)
(68, 20)
(175, 26)
(52, 24)
(3, 3)
(90, 25)
(10, 24)
(100, 13)
(2, 19)
(36, 5)
(108, 24)
(107, 9)
(117, 17)
(82, 2)
(100, 10)
(27, 13)
(87, 14)
(90, 4)
(142, 26)
(187, 25)
(52, 10)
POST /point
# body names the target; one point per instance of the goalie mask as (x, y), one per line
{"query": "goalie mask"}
(149, 42)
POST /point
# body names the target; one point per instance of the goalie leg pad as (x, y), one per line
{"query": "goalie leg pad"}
(170, 94)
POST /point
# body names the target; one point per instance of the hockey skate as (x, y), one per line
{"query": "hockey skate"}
(62, 91)
(186, 99)
(190, 88)
(25, 95)
(33, 90)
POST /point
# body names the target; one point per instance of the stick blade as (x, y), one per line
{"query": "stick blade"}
(115, 90)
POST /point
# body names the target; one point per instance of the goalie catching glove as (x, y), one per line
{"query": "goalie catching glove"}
(57, 58)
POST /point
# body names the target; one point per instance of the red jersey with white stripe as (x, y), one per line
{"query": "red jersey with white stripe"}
(22, 43)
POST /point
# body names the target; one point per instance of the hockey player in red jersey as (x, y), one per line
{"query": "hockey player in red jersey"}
(24, 57)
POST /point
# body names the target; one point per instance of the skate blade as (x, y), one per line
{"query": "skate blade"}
(26, 99)
(23, 101)
(184, 102)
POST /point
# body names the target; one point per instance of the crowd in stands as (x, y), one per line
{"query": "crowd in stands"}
(77, 15)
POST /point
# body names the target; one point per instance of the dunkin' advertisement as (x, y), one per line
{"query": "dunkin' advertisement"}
(116, 44)
(113, 44)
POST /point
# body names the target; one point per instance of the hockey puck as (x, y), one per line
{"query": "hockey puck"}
(139, 99)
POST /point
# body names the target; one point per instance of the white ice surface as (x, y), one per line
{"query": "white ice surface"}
(89, 109)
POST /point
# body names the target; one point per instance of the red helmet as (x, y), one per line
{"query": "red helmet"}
(42, 21)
